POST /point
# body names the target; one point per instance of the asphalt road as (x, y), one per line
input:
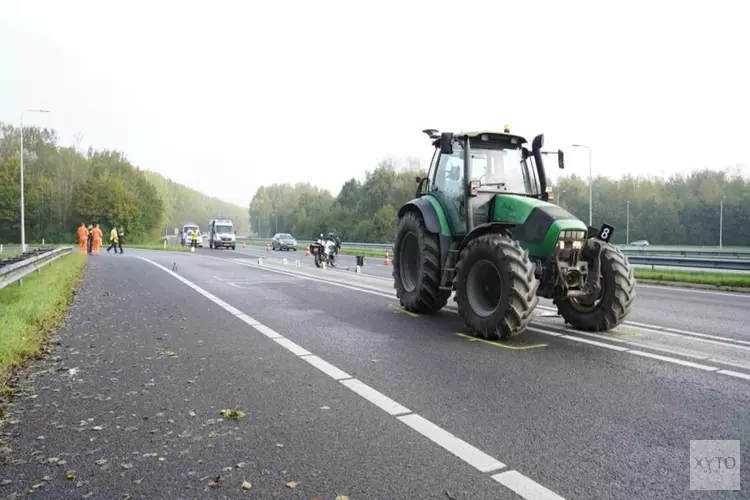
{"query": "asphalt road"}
(553, 414)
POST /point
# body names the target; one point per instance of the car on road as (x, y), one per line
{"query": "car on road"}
(639, 243)
(284, 241)
(185, 235)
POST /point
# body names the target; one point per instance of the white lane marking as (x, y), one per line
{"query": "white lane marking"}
(463, 450)
(744, 366)
(291, 346)
(640, 344)
(673, 360)
(235, 285)
(524, 486)
(247, 319)
(734, 374)
(327, 367)
(473, 456)
(375, 397)
(534, 328)
(271, 334)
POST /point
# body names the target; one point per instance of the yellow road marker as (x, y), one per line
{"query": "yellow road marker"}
(471, 338)
(402, 310)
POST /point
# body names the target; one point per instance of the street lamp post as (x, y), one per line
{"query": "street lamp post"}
(721, 221)
(627, 226)
(591, 204)
(23, 221)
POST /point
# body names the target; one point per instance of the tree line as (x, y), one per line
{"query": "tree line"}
(679, 210)
(64, 187)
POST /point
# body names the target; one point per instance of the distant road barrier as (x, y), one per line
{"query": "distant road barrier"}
(14, 269)
(735, 260)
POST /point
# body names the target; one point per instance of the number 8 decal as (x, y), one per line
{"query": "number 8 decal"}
(605, 233)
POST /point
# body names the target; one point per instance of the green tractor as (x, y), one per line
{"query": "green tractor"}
(481, 225)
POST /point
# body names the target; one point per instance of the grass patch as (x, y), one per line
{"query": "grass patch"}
(714, 279)
(30, 312)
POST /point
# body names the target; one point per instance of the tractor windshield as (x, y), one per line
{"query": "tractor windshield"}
(501, 169)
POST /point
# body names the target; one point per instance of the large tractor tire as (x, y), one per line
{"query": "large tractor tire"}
(613, 304)
(416, 266)
(496, 287)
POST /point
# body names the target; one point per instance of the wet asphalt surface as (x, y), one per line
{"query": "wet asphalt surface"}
(157, 362)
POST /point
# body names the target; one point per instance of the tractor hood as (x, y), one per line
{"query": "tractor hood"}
(536, 223)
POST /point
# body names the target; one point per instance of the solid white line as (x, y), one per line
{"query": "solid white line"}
(546, 332)
(594, 342)
(673, 360)
(267, 331)
(247, 319)
(292, 347)
(734, 374)
(458, 447)
(743, 366)
(463, 450)
(525, 487)
(673, 331)
(377, 398)
(327, 368)
(664, 349)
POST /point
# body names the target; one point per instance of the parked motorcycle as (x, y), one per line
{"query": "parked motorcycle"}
(326, 250)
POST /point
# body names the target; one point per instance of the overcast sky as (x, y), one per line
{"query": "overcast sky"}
(226, 96)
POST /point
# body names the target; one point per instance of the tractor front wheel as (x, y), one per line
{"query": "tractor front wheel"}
(614, 302)
(495, 287)
(416, 266)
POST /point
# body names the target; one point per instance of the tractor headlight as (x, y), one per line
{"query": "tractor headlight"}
(571, 239)
(577, 245)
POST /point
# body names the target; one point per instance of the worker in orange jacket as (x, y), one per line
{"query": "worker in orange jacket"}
(83, 236)
(98, 235)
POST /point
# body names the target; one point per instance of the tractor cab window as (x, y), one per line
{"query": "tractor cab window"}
(448, 188)
(501, 169)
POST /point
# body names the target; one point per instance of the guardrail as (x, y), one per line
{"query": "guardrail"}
(738, 260)
(14, 269)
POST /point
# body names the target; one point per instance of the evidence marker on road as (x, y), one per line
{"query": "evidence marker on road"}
(513, 345)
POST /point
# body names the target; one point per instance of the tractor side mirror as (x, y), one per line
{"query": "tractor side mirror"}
(560, 160)
(446, 143)
(538, 143)
(418, 179)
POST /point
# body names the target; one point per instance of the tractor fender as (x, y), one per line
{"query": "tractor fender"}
(489, 227)
(426, 209)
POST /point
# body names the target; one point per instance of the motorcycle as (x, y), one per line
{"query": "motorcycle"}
(326, 250)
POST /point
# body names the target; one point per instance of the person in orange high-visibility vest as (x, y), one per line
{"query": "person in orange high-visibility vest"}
(98, 235)
(83, 236)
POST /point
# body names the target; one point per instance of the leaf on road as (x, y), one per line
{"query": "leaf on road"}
(126, 466)
(216, 482)
(191, 413)
(292, 484)
(234, 414)
(279, 445)
(71, 475)
(53, 460)
(241, 465)
(342, 497)
(246, 485)
(97, 428)
(101, 461)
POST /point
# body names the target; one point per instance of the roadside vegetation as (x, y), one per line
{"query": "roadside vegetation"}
(717, 280)
(28, 313)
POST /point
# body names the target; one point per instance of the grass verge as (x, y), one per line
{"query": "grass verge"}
(30, 312)
(717, 280)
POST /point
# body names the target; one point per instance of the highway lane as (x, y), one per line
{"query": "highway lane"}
(584, 420)
(129, 406)
(714, 313)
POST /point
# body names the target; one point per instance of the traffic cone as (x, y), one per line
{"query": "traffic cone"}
(307, 252)
(268, 247)
(387, 261)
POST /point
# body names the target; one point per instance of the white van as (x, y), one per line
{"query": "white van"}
(221, 234)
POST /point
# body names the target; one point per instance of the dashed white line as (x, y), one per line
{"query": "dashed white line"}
(734, 374)
(673, 360)
(375, 397)
(524, 486)
(291, 346)
(271, 334)
(247, 319)
(463, 450)
(483, 462)
(327, 368)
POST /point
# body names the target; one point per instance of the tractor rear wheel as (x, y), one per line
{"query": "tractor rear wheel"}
(613, 304)
(496, 287)
(416, 266)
